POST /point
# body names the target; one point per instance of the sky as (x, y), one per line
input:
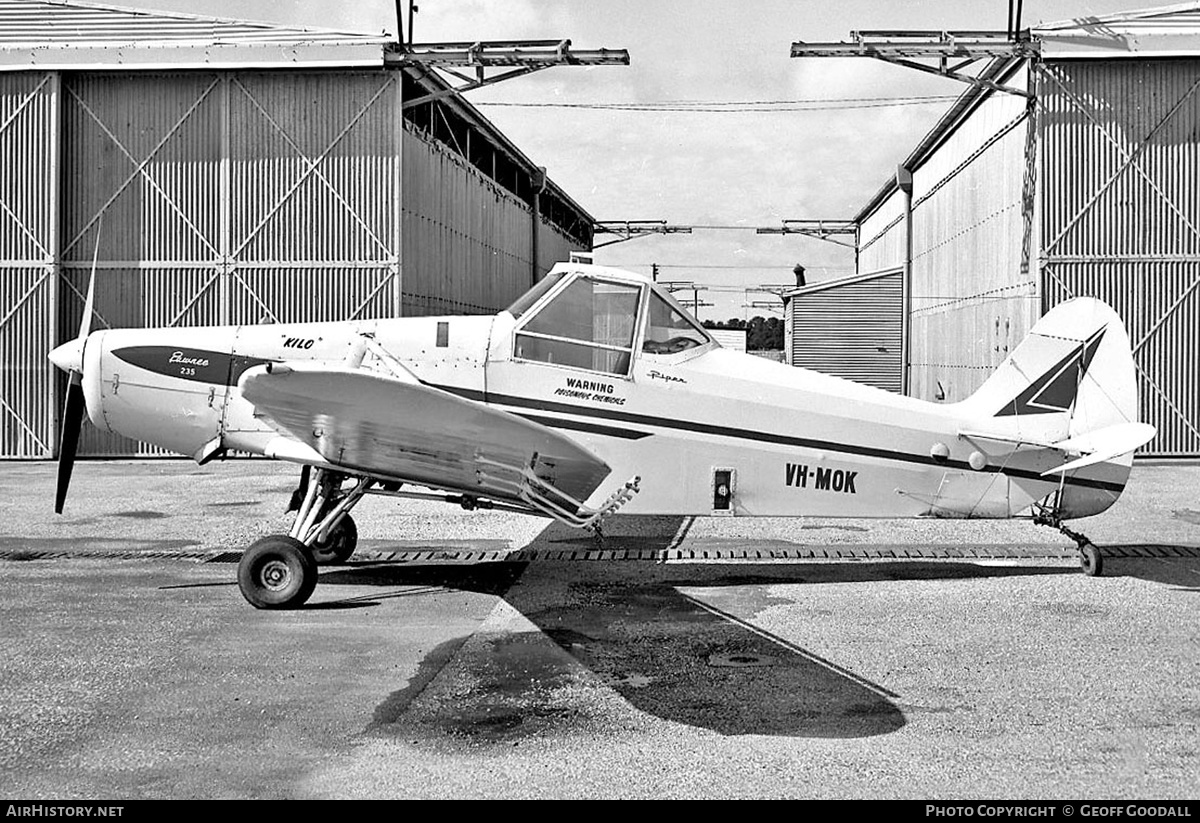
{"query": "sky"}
(701, 168)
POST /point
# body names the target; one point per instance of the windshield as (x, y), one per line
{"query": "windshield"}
(530, 297)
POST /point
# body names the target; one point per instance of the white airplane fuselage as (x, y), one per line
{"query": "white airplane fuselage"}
(595, 392)
(708, 430)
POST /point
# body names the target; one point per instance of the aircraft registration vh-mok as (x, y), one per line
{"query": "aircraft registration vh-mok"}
(597, 392)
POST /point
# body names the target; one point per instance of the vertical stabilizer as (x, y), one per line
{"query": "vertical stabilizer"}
(1069, 392)
(1072, 375)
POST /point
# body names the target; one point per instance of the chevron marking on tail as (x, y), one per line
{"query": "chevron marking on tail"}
(1055, 390)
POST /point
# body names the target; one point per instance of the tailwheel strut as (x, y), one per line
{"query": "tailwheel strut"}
(1090, 559)
(280, 571)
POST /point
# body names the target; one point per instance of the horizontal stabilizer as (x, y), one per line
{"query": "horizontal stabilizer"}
(1103, 444)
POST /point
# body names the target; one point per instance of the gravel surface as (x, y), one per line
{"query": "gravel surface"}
(131, 668)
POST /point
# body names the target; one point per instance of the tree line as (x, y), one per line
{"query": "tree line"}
(762, 333)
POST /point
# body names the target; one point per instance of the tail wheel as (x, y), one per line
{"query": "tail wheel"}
(340, 544)
(277, 572)
(1090, 560)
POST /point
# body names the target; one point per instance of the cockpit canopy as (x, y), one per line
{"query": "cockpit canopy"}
(595, 318)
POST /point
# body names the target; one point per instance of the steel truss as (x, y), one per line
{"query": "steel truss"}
(514, 58)
(945, 53)
(632, 229)
(827, 230)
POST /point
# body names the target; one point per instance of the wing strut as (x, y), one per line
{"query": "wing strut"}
(544, 496)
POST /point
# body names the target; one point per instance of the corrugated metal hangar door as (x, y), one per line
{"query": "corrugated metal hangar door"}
(1121, 219)
(229, 198)
(850, 328)
(28, 208)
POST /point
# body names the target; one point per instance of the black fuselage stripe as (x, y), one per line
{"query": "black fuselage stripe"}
(583, 425)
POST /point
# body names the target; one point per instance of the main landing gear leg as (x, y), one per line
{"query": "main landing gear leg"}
(1090, 559)
(280, 571)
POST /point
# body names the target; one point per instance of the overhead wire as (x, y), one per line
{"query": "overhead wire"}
(736, 106)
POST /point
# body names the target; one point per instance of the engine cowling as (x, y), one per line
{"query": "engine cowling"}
(167, 387)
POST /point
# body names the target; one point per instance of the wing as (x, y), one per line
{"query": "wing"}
(391, 427)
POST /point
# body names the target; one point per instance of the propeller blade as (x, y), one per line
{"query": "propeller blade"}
(72, 421)
(69, 357)
(85, 325)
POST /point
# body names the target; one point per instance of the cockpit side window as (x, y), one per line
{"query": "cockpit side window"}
(588, 325)
(670, 330)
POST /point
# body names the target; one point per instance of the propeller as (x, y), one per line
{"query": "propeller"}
(69, 358)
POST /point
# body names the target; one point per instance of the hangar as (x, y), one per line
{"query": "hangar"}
(1069, 166)
(227, 172)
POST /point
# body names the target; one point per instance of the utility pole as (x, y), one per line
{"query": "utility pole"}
(687, 285)
(654, 272)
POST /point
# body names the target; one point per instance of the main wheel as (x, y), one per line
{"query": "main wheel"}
(1090, 560)
(277, 572)
(340, 544)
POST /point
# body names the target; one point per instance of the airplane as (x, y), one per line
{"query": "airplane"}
(596, 392)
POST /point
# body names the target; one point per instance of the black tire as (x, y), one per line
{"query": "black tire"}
(342, 542)
(1090, 560)
(277, 572)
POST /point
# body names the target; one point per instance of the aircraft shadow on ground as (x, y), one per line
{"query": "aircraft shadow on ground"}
(664, 651)
(1176, 566)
